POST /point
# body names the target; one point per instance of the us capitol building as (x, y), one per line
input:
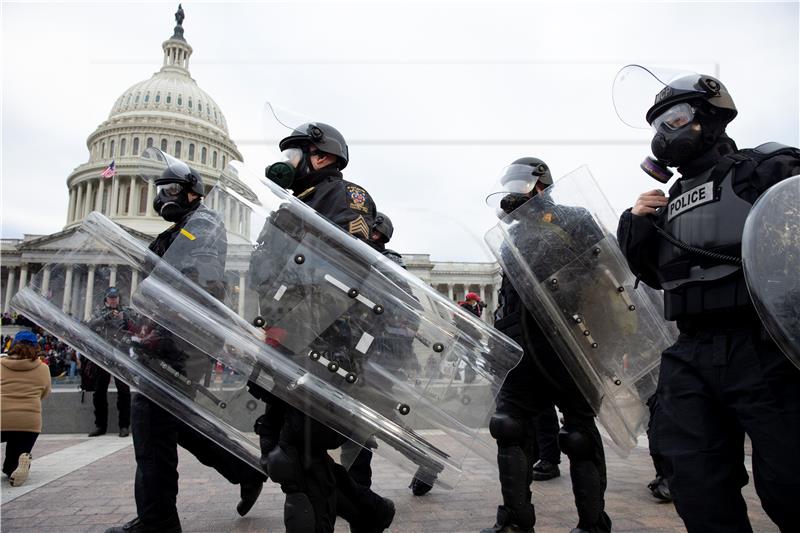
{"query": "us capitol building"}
(171, 112)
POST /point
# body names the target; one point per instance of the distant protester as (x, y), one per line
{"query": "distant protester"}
(24, 381)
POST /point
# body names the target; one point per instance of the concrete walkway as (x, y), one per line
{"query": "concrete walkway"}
(86, 485)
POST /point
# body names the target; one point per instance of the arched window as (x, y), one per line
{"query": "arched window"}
(128, 102)
(149, 142)
(200, 107)
(136, 101)
(178, 149)
(223, 161)
(147, 97)
(169, 98)
(213, 158)
(158, 97)
(190, 102)
(191, 152)
(180, 102)
(203, 153)
(111, 149)
(136, 146)
(103, 150)
(143, 199)
(123, 145)
(163, 145)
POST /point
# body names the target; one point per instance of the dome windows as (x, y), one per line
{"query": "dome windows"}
(103, 150)
(203, 155)
(178, 145)
(136, 101)
(180, 101)
(111, 149)
(169, 98)
(199, 107)
(123, 145)
(190, 103)
(213, 158)
(163, 145)
(135, 146)
(158, 97)
(191, 152)
(149, 142)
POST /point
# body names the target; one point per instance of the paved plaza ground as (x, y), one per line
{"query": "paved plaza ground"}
(85, 485)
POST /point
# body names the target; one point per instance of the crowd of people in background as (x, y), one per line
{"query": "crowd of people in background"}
(62, 361)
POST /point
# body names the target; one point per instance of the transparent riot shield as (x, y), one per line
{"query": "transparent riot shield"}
(771, 260)
(341, 332)
(70, 298)
(560, 253)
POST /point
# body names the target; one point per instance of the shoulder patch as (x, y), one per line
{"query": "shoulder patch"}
(357, 198)
(187, 234)
(359, 228)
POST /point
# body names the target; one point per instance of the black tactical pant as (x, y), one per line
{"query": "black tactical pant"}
(525, 396)
(156, 436)
(100, 400)
(715, 385)
(19, 442)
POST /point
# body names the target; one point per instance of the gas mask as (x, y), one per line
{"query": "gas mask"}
(172, 202)
(678, 137)
(294, 163)
(512, 201)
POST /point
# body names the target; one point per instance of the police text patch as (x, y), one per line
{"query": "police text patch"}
(692, 198)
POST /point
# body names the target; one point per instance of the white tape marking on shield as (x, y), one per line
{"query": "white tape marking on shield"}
(366, 301)
(279, 294)
(364, 342)
(335, 282)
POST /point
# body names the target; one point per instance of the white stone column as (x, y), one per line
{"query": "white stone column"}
(132, 196)
(495, 299)
(71, 208)
(450, 294)
(101, 189)
(23, 276)
(112, 209)
(242, 288)
(134, 282)
(112, 277)
(87, 306)
(65, 305)
(75, 304)
(46, 280)
(151, 193)
(87, 199)
(9, 287)
(78, 202)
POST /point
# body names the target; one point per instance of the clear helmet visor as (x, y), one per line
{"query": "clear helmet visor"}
(153, 162)
(516, 179)
(675, 117)
(635, 89)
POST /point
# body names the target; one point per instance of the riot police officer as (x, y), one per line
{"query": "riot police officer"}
(295, 447)
(111, 320)
(538, 381)
(724, 376)
(197, 244)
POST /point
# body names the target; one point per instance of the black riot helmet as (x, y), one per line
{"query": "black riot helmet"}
(689, 116)
(325, 137)
(695, 88)
(177, 180)
(539, 169)
(518, 183)
(383, 225)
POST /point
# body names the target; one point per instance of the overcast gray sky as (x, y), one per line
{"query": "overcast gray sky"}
(435, 98)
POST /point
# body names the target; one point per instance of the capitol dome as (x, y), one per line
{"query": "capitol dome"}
(168, 111)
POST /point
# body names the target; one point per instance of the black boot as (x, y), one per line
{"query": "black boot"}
(504, 524)
(137, 526)
(544, 470)
(659, 487)
(97, 432)
(249, 494)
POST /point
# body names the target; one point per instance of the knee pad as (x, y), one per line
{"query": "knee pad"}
(507, 430)
(576, 444)
(282, 469)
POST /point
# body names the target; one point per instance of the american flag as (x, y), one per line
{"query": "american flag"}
(110, 171)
